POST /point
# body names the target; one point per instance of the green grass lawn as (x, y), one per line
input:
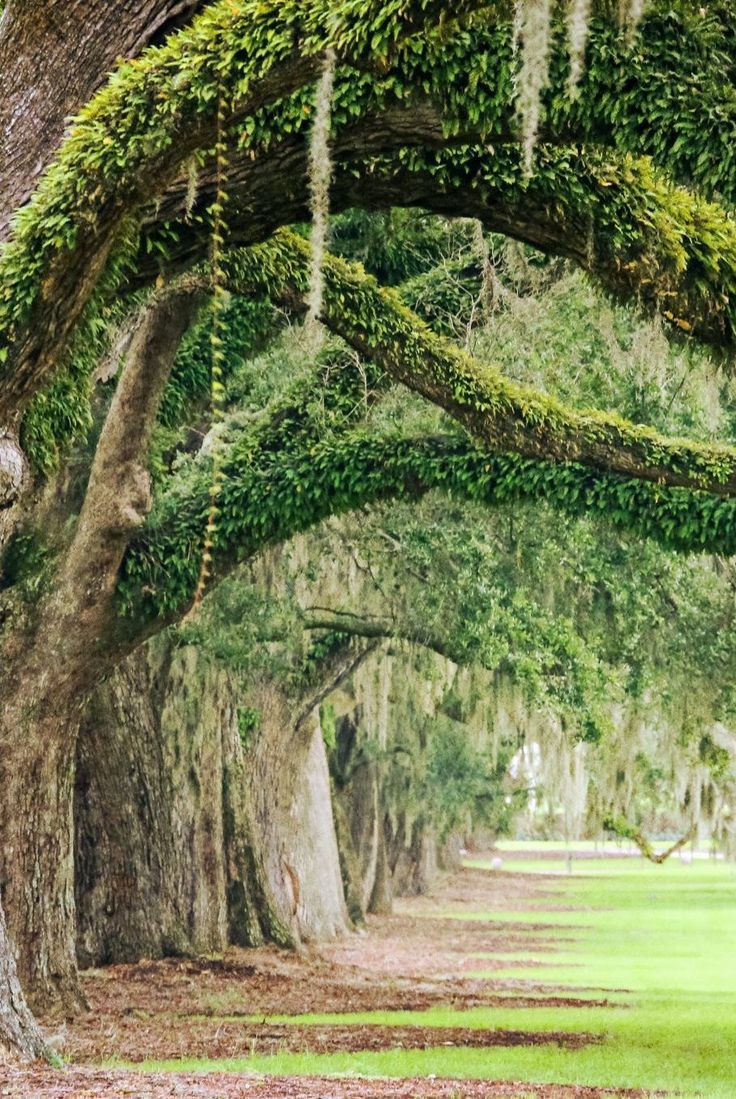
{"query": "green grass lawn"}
(666, 934)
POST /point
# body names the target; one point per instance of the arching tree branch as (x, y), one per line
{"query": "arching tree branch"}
(130, 142)
(500, 414)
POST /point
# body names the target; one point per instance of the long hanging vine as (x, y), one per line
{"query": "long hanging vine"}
(217, 349)
(320, 178)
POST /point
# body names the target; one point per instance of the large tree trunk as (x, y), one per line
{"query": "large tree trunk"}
(411, 852)
(293, 826)
(157, 861)
(36, 856)
(190, 833)
(19, 1033)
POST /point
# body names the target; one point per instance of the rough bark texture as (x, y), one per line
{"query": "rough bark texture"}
(186, 839)
(293, 824)
(13, 475)
(36, 864)
(54, 54)
(19, 1032)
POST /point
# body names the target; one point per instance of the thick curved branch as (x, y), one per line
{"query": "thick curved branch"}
(130, 142)
(659, 247)
(356, 625)
(501, 415)
(134, 137)
(267, 498)
(627, 831)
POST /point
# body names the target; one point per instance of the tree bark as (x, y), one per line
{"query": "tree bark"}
(19, 1033)
(36, 857)
(54, 55)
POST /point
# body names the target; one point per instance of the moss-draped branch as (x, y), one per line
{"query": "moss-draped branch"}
(499, 413)
(133, 138)
(644, 240)
(265, 502)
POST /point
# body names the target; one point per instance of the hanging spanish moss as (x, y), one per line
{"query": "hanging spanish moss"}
(534, 18)
(633, 10)
(190, 199)
(578, 24)
(489, 289)
(320, 178)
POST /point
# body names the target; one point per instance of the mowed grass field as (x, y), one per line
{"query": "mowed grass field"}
(657, 942)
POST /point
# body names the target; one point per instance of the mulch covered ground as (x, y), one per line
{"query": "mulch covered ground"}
(92, 1084)
(219, 1008)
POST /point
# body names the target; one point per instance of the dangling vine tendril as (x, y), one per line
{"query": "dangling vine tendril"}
(217, 348)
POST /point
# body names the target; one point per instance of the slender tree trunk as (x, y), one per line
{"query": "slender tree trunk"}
(382, 896)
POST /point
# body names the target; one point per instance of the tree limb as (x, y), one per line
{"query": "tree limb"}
(501, 415)
(627, 831)
(118, 495)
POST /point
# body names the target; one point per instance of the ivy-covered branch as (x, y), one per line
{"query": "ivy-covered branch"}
(500, 414)
(268, 498)
(135, 135)
(628, 831)
(644, 240)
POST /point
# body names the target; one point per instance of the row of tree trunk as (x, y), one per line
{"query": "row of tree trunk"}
(192, 834)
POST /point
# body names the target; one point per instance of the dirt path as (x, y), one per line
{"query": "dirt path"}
(218, 1008)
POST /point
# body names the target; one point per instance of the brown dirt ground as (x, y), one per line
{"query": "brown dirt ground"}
(95, 1084)
(409, 961)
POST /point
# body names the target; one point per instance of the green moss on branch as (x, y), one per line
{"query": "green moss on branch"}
(499, 413)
